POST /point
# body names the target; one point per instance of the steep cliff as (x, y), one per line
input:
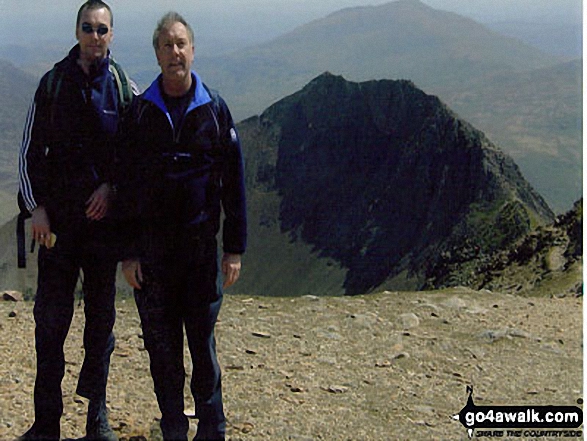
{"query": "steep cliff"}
(381, 180)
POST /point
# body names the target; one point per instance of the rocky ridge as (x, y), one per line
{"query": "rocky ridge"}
(548, 259)
(377, 179)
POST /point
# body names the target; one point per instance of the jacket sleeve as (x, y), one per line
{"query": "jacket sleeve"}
(33, 168)
(234, 229)
(128, 183)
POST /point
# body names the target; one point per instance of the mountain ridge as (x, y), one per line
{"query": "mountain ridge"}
(379, 177)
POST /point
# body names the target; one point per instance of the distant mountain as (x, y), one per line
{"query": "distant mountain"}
(536, 117)
(373, 185)
(405, 39)
(470, 67)
(16, 92)
(561, 39)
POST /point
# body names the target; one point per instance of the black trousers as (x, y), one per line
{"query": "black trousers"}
(59, 270)
(182, 289)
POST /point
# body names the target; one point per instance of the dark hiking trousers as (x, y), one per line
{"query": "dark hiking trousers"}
(181, 288)
(59, 270)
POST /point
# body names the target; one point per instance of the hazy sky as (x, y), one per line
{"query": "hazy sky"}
(26, 20)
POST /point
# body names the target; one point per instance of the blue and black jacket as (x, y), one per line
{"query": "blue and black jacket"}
(69, 141)
(185, 175)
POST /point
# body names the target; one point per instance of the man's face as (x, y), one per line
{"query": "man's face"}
(94, 34)
(175, 52)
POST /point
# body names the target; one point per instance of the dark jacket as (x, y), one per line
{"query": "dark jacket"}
(183, 176)
(69, 140)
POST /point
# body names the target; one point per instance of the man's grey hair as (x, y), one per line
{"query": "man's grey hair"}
(167, 21)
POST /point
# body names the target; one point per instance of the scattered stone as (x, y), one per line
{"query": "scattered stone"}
(409, 320)
(495, 335)
(247, 427)
(477, 310)
(455, 303)
(336, 389)
(301, 385)
(261, 334)
(234, 367)
(12, 314)
(434, 308)
(400, 355)
(12, 296)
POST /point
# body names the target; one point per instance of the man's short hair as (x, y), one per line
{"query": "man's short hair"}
(167, 21)
(94, 4)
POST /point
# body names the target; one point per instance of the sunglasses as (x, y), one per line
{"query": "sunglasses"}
(100, 30)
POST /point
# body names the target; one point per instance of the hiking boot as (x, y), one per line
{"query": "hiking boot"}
(97, 426)
(40, 433)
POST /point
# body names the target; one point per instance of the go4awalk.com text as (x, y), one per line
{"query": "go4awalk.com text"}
(520, 421)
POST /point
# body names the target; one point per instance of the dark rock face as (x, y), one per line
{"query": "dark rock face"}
(383, 179)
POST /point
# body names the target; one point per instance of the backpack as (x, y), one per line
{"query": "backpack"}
(53, 87)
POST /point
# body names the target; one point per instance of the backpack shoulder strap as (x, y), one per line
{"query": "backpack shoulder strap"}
(122, 82)
(54, 79)
(52, 89)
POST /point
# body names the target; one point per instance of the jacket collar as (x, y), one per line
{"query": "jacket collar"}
(201, 95)
(102, 66)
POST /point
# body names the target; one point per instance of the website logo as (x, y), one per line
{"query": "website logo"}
(517, 421)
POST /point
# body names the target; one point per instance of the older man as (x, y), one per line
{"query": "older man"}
(66, 163)
(187, 164)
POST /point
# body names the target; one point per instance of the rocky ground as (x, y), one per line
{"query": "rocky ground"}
(386, 366)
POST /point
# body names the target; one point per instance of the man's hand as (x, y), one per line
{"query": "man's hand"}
(97, 204)
(231, 267)
(41, 228)
(133, 273)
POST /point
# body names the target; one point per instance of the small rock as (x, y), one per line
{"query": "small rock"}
(455, 303)
(235, 367)
(337, 389)
(261, 334)
(494, 335)
(247, 427)
(12, 296)
(400, 355)
(12, 314)
(409, 320)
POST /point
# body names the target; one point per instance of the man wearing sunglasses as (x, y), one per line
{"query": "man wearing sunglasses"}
(66, 182)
